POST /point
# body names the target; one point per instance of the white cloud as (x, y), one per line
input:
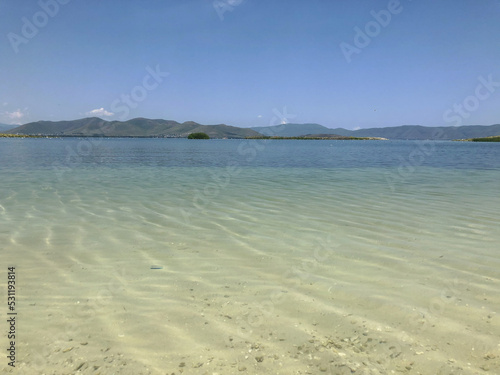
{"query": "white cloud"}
(13, 117)
(99, 112)
(16, 115)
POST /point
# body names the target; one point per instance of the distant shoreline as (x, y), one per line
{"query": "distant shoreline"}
(339, 138)
(2, 135)
(325, 138)
(494, 138)
(160, 128)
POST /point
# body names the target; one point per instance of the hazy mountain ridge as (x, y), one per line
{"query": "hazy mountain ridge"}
(5, 127)
(137, 127)
(414, 132)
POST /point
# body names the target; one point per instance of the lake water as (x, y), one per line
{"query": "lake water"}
(155, 256)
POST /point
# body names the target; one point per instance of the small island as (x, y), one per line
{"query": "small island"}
(198, 136)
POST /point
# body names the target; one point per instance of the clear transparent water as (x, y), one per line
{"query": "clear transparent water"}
(169, 250)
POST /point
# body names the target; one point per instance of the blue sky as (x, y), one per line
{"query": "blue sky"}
(340, 63)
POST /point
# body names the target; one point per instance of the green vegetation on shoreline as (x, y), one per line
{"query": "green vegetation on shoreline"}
(339, 138)
(2, 135)
(495, 138)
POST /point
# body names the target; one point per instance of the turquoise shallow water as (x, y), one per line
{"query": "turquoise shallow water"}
(269, 243)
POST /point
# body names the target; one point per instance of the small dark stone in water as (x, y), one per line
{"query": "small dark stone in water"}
(80, 366)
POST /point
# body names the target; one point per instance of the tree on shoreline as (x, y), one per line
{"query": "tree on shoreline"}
(198, 136)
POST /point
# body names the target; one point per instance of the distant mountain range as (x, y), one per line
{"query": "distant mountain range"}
(5, 127)
(143, 127)
(414, 132)
(138, 127)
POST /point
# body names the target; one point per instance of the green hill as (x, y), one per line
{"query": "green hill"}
(138, 127)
